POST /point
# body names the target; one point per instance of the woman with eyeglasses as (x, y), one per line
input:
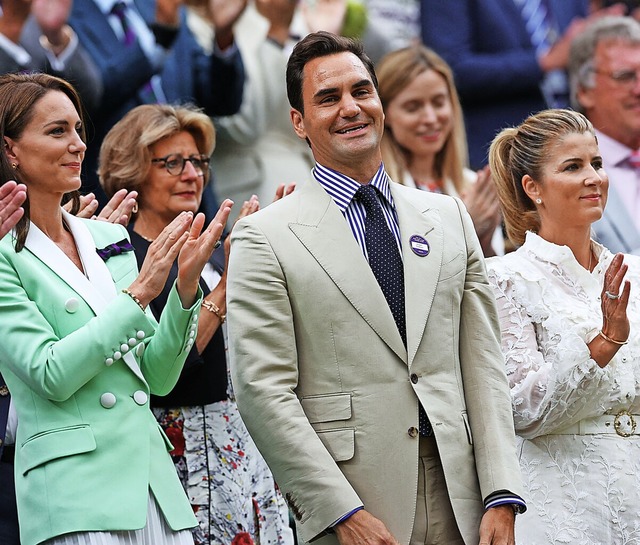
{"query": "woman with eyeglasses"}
(163, 152)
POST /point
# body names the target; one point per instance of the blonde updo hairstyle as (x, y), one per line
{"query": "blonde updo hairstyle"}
(396, 71)
(125, 154)
(523, 150)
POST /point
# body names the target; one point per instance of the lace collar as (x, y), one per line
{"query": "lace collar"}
(561, 256)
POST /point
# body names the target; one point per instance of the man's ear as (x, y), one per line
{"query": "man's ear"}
(585, 97)
(531, 187)
(297, 120)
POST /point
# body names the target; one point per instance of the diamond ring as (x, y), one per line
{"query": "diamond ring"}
(611, 295)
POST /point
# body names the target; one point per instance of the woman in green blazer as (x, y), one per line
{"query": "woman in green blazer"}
(80, 351)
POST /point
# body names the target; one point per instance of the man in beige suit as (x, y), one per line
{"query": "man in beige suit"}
(329, 376)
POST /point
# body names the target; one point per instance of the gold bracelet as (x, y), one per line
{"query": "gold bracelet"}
(619, 343)
(212, 307)
(135, 299)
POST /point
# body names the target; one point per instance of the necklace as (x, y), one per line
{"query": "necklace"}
(151, 239)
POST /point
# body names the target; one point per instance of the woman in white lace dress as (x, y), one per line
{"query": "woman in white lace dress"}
(570, 335)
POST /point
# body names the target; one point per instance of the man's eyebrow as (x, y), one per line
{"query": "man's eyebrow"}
(325, 92)
(331, 90)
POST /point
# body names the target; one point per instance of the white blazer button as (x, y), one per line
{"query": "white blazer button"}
(194, 318)
(108, 361)
(107, 400)
(140, 335)
(192, 334)
(124, 348)
(193, 327)
(140, 397)
(132, 342)
(140, 350)
(189, 344)
(117, 355)
(71, 305)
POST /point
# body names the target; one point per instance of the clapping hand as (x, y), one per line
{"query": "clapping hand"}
(185, 240)
(483, 206)
(615, 322)
(118, 209)
(12, 196)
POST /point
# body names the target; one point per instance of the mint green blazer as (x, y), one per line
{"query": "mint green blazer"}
(81, 360)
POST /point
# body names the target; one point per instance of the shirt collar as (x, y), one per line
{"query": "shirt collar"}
(105, 6)
(342, 189)
(613, 152)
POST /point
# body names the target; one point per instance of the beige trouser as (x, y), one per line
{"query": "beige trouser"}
(435, 523)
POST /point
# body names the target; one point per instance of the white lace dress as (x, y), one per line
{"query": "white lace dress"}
(581, 488)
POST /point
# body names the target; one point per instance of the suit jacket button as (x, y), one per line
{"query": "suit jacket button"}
(71, 305)
(117, 355)
(107, 400)
(140, 397)
(132, 342)
(140, 334)
(413, 431)
(124, 347)
(414, 378)
(108, 362)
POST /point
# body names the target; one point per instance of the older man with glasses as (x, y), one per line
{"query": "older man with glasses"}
(603, 68)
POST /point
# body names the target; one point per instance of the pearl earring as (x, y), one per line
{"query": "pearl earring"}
(14, 166)
(538, 201)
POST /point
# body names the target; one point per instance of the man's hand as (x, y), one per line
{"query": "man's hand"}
(279, 13)
(497, 526)
(362, 528)
(224, 14)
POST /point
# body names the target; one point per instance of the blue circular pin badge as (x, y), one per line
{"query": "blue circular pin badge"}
(419, 245)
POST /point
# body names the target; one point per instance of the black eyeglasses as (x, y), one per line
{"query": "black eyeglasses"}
(175, 163)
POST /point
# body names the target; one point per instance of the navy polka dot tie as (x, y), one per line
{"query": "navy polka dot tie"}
(386, 263)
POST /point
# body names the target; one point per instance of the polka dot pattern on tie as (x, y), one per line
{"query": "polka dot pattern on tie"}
(386, 263)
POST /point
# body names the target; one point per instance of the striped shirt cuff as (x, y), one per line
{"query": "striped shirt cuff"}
(345, 517)
(504, 497)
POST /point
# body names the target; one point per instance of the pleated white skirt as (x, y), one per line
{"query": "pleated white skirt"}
(156, 532)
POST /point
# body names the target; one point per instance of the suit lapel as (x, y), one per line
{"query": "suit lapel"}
(420, 273)
(324, 232)
(97, 288)
(621, 221)
(53, 257)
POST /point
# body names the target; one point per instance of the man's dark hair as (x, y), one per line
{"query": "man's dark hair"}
(320, 44)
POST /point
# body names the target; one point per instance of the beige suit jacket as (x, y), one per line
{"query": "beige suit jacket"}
(325, 384)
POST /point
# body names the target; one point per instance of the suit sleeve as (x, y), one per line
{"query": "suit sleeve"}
(484, 378)
(55, 368)
(456, 29)
(264, 371)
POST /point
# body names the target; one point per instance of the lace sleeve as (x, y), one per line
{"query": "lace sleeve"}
(554, 382)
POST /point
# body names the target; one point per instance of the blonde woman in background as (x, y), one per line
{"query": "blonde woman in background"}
(424, 143)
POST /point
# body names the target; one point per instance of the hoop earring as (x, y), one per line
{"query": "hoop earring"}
(538, 201)
(134, 210)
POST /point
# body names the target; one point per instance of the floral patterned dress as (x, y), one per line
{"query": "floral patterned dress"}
(229, 485)
(583, 486)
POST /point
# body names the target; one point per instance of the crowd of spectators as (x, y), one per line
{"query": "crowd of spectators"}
(194, 94)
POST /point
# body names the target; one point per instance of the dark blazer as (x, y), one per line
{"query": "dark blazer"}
(188, 75)
(80, 70)
(494, 64)
(203, 379)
